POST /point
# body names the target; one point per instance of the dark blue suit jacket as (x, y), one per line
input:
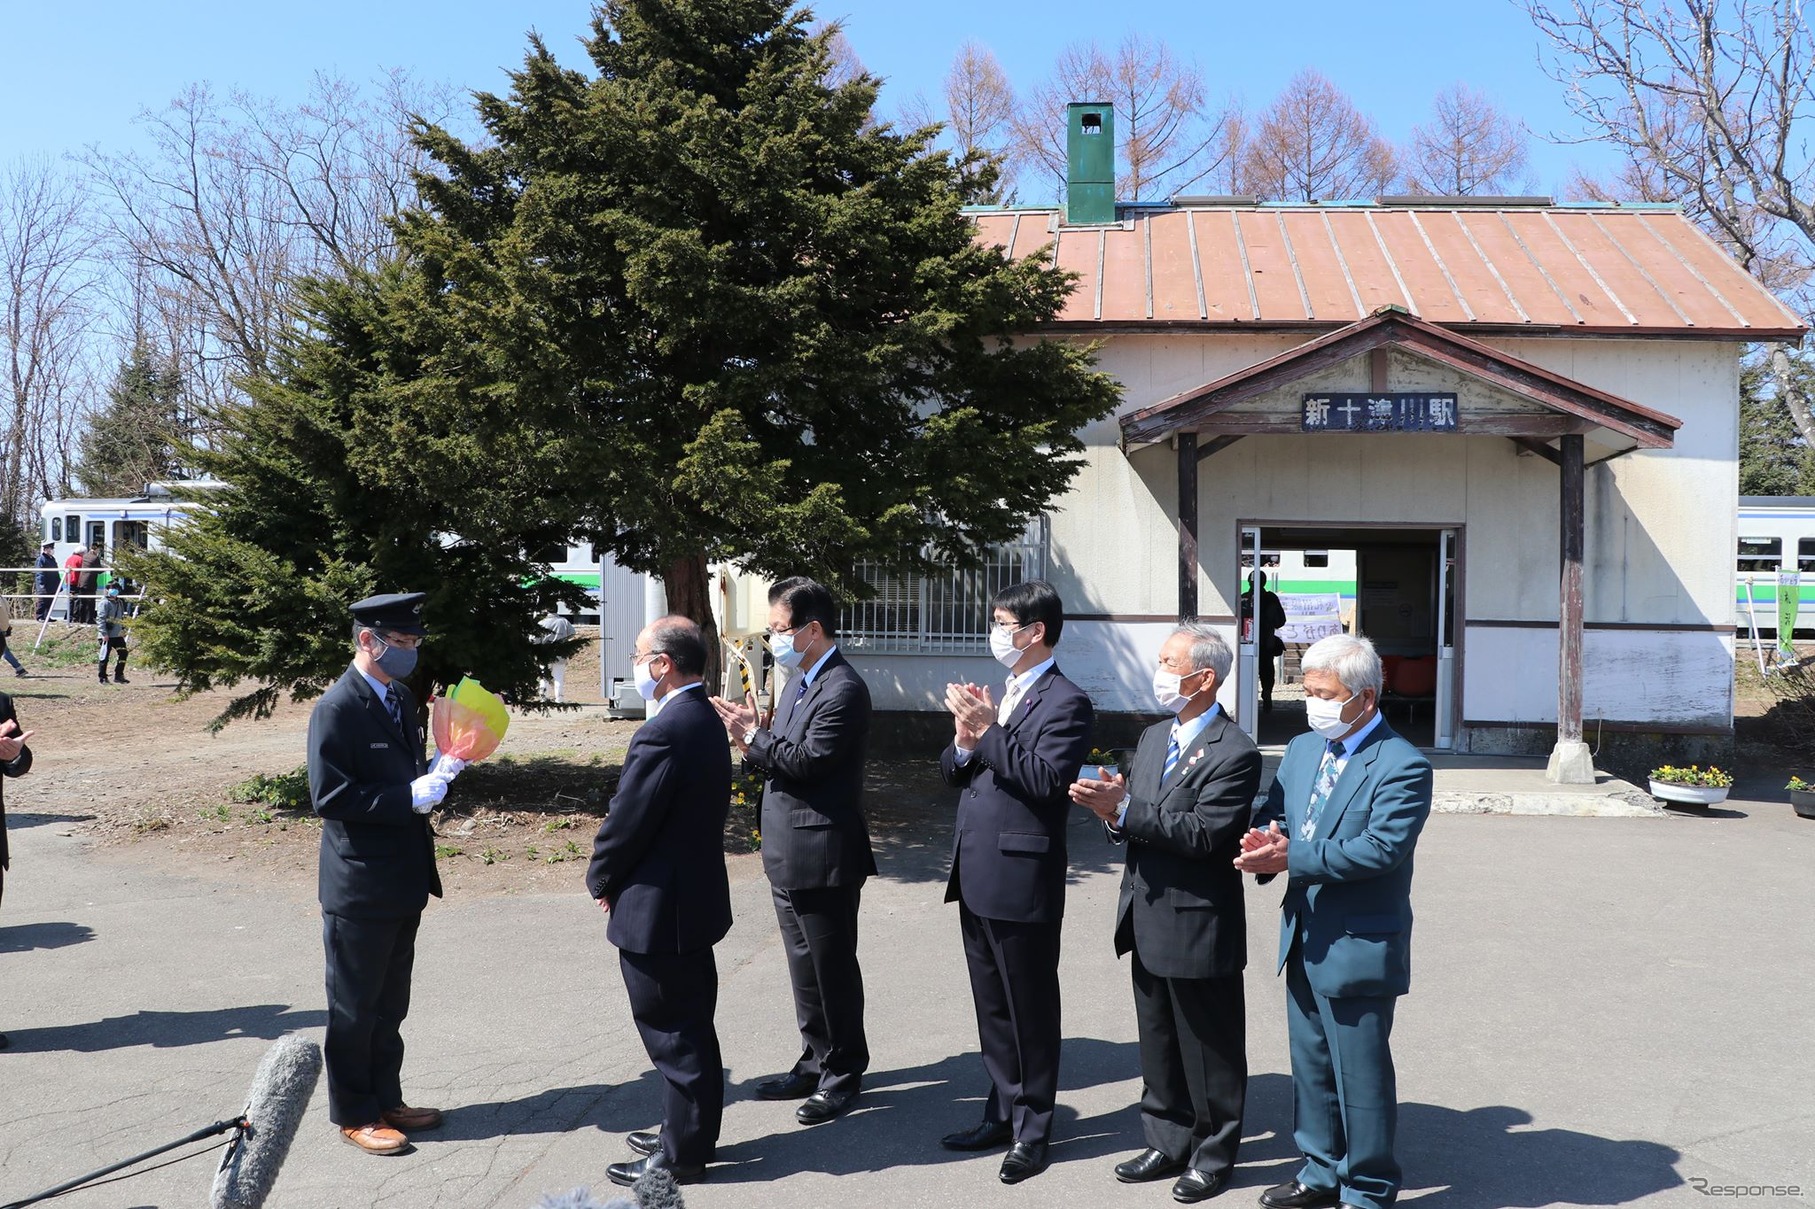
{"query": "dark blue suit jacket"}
(377, 855)
(1009, 857)
(1349, 887)
(659, 857)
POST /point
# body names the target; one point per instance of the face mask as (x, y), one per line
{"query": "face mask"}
(1002, 645)
(1325, 717)
(395, 661)
(1166, 687)
(646, 679)
(785, 653)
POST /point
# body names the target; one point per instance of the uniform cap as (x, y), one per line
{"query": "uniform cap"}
(399, 612)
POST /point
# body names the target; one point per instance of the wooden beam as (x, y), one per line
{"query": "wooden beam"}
(1570, 542)
(1187, 526)
(1538, 447)
(1217, 445)
(1377, 370)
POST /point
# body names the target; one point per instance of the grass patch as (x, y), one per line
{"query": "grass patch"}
(286, 791)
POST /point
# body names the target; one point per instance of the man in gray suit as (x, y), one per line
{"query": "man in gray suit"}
(816, 846)
(1341, 821)
(1182, 812)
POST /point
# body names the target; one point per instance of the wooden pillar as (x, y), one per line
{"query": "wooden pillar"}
(1570, 762)
(1187, 526)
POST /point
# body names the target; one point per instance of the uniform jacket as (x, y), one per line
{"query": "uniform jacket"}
(1349, 888)
(377, 855)
(1181, 905)
(17, 767)
(46, 575)
(1008, 857)
(659, 857)
(814, 833)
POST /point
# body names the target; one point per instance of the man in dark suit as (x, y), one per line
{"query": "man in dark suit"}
(816, 846)
(658, 870)
(1182, 814)
(1013, 765)
(369, 784)
(15, 761)
(1341, 821)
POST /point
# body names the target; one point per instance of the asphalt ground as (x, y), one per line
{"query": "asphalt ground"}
(1604, 1011)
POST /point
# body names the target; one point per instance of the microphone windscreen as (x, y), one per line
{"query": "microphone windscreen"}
(581, 1198)
(655, 1189)
(280, 1094)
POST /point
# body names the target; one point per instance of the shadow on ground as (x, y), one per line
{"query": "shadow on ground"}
(17, 821)
(23, 938)
(163, 1030)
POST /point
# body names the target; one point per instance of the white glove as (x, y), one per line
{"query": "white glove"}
(446, 767)
(426, 793)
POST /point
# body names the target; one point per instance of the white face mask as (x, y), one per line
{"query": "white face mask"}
(1325, 717)
(1002, 645)
(782, 647)
(646, 680)
(1166, 687)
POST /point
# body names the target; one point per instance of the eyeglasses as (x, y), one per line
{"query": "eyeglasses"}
(403, 642)
(789, 632)
(1010, 627)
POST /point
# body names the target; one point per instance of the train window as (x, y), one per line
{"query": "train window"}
(56, 528)
(72, 528)
(1317, 558)
(1805, 555)
(1760, 555)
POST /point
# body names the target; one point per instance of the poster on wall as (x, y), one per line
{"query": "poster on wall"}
(1310, 616)
(1789, 598)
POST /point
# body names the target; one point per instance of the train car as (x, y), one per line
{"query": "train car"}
(1776, 553)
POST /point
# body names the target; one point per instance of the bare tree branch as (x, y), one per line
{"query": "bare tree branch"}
(1312, 144)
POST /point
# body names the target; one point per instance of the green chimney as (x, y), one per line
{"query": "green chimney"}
(1089, 162)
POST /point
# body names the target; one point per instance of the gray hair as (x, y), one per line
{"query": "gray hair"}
(1350, 657)
(1208, 649)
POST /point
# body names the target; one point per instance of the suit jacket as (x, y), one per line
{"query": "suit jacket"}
(659, 857)
(1181, 905)
(377, 855)
(1349, 888)
(16, 767)
(1008, 857)
(814, 834)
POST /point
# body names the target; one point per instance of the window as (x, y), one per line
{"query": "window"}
(1760, 555)
(941, 614)
(1805, 555)
(132, 533)
(1317, 558)
(56, 528)
(72, 528)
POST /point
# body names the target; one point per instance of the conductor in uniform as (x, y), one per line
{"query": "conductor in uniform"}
(658, 870)
(369, 784)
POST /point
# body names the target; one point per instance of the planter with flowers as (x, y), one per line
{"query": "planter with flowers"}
(1108, 760)
(1691, 786)
(1802, 797)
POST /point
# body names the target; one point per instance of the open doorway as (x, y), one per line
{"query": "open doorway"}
(1397, 586)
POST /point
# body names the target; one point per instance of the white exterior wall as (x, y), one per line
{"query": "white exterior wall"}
(1660, 529)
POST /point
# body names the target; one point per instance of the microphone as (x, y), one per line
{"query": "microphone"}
(655, 1189)
(274, 1108)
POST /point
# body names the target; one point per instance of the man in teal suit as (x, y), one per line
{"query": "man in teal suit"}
(1340, 821)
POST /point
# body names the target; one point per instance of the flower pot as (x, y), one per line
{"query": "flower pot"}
(1689, 795)
(1803, 802)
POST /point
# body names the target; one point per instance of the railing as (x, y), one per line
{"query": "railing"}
(74, 610)
(946, 613)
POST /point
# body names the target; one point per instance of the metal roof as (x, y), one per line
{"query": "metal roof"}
(1590, 270)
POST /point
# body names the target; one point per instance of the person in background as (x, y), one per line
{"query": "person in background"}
(6, 635)
(1272, 619)
(46, 578)
(15, 761)
(72, 582)
(110, 624)
(555, 628)
(90, 588)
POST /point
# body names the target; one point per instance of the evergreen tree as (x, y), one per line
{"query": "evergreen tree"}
(1773, 459)
(138, 437)
(759, 314)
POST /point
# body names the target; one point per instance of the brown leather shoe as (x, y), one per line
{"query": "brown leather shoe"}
(412, 1120)
(375, 1138)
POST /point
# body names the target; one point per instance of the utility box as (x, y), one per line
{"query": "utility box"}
(1089, 163)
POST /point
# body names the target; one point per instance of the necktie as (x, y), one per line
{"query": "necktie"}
(1011, 697)
(1172, 755)
(1320, 789)
(394, 704)
(800, 691)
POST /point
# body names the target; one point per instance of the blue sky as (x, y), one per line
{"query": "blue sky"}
(74, 74)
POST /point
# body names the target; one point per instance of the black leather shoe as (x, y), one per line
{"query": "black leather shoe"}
(1294, 1195)
(791, 1086)
(1024, 1161)
(3, 1041)
(627, 1174)
(1150, 1164)
(987, 1136)
(644, 1141)
(823, 1106)
(1195, 1186)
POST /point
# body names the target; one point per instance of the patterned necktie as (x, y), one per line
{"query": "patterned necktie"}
(1327, 773)
(802, 690)
(1172, 754)
(394, 704)
(1011, 697)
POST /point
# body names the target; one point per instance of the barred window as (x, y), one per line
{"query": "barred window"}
(946, 613)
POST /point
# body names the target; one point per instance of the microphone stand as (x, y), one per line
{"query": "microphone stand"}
(208, 1131)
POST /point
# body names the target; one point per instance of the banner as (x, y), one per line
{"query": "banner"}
(1789, 597)
(1310, 616)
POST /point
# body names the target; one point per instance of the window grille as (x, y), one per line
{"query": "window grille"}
(946, 613)
(1760, 555)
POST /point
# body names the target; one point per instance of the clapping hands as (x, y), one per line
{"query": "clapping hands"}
(973, 711)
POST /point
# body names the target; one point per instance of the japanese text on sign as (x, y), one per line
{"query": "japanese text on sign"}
(1379, 413)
